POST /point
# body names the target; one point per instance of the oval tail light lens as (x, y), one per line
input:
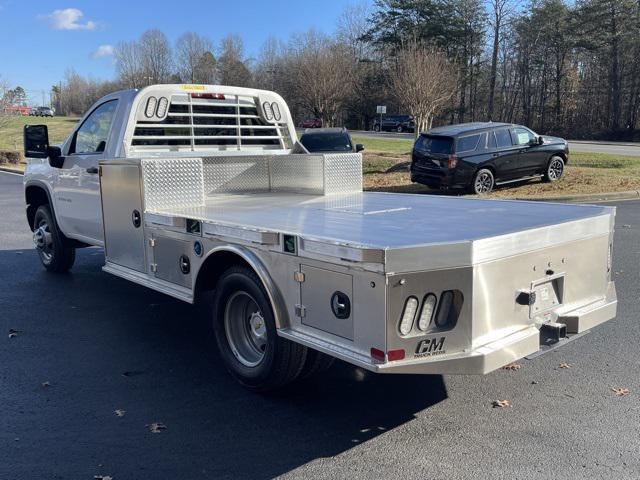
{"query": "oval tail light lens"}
(276, 111)
(268, 111)
(163, 103)
(408, 315)
(426, 314)
(151, 107)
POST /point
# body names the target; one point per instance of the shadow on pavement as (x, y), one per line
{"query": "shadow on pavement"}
(103, 344)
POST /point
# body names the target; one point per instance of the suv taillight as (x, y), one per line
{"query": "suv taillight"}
(452, 162)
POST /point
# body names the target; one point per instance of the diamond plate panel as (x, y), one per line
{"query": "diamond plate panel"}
(297, 173)
(172, 183)
(342, 173)
(236, 174)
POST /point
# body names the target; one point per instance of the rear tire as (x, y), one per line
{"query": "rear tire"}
(483, 182)
(56, 256)
(245, 331)
(555, 169)
(400, 129)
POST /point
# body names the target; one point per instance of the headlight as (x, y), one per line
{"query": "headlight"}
(408, 315)
(428, 307)
(163, 103)
(268, 111)
(151, 107)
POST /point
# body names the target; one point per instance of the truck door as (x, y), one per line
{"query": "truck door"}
(77, 190)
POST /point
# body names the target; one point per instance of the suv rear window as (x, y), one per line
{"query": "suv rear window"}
(467, 144)
(326, 142)
(434, 144)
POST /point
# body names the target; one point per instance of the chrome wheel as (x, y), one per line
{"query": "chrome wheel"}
(43, 240)
(245, 329)
(484, 182)
(556, 167)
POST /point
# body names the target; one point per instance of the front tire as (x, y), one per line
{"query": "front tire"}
(245, 331)
(555, 169)
(400, 129)
(483, 182)
(54, 254)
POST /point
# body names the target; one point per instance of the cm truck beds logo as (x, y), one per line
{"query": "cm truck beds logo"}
(430, 346)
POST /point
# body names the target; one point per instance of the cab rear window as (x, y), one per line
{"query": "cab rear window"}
(434, 144)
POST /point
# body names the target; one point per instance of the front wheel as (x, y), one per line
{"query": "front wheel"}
(400, 129)
(555, 169)
(245, 331)
(54, 254)
(483, 182)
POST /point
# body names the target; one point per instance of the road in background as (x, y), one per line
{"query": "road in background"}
(613, 148)
(89, 344)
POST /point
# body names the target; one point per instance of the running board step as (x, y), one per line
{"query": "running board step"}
(523, 179)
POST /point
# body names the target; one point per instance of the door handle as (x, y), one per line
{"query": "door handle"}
(495, 155)
(92, 170)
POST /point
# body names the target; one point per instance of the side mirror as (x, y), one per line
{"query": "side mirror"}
(36, 141)
(36, 145)
(540, 140)
(359, 147)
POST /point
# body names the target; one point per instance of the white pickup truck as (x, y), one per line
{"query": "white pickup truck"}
(193, 189)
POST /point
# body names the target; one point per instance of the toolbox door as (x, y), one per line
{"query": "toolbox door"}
(326, 299)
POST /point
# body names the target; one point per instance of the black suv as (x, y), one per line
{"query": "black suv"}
(329, 140)
(397, 123)
(479, 156)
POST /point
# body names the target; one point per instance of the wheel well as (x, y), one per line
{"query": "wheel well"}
(562, 155)
(491, 168)
(34, 197)
(213, 268)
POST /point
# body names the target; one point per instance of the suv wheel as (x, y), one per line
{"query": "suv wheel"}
(483, 182)
(400, 129)
(555, 169)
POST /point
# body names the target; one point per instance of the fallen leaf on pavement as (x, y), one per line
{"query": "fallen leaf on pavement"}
(512, 366)
(157, 427)
(119, 413)
(46, 384)
(102, 477)
(565, 365)
(13, 333)
(500, 404)
(620, 392)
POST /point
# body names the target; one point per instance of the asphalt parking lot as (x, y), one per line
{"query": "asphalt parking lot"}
(88, 344)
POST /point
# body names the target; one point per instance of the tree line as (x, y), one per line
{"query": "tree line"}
(568, 68)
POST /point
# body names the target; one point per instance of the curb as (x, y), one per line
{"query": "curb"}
(607, 142)
(11, 170)
(591, 197)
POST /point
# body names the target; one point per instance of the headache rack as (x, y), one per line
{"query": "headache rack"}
(198, 122)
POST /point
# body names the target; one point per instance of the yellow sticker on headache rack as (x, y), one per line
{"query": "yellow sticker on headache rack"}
(192, 87)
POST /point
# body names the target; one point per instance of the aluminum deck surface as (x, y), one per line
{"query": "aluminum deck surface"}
(385, 220)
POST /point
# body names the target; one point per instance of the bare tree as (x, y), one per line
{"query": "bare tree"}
(422, 82)
(322, 72)
(195, 62)
(232, 66)
(500, 11)
(155, 55)
(129, 64)
(4, 116)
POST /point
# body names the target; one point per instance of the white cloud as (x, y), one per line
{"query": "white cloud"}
(103, 51)
(68, 19)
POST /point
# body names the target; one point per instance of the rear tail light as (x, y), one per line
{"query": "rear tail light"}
(452, 162)
(152, 102)
(208, 96)
(163, 103)
(426, 314)
(449, 309)
(408, 315)
(268, 110)
(378, 355)
(393, 355)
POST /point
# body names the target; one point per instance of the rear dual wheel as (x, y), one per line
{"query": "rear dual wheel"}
(247, 339)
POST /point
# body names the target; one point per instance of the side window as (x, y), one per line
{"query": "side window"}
(522, 136)
(466, 144)
(92, 135)
(503, 139)
(491, 141)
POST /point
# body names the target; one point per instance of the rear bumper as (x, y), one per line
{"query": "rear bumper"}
(439, 178)
(509, 348)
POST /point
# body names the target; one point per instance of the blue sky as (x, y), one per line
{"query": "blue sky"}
(41, 39)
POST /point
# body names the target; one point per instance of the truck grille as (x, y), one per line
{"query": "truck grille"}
(193, 124)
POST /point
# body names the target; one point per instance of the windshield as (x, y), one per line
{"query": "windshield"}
(326, 142)
(434, 144)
